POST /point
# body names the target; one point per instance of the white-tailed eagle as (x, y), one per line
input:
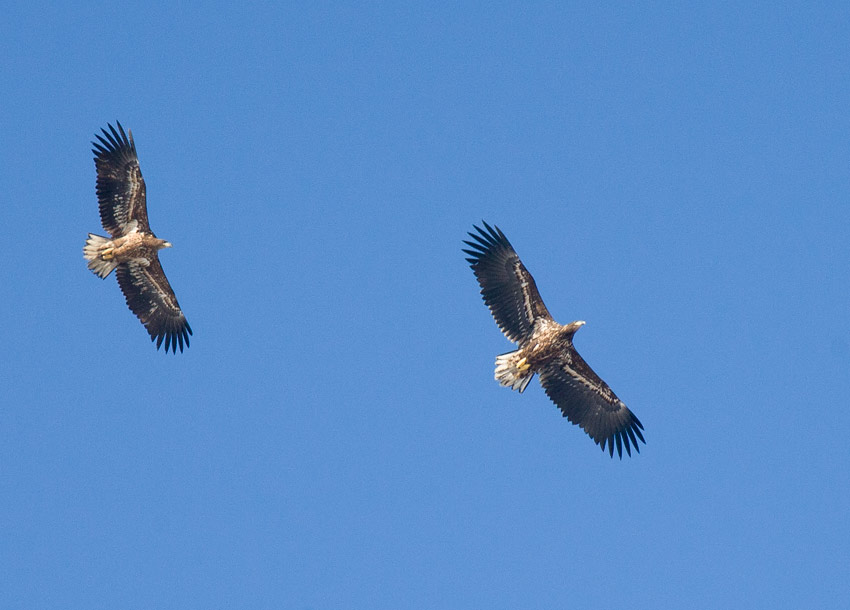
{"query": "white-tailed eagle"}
(545, 347)
(132, 249)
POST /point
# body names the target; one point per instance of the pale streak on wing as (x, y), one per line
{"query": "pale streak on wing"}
(529, 292)
(507, 287)
(586, 400)
(120, 186)
(151, 298)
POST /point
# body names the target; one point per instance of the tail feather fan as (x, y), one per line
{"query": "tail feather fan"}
(509, 374)
(92, 252)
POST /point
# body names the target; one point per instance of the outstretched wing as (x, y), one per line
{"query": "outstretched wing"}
(150, 297)
(586, 400)
(120, 186)
(506, 285)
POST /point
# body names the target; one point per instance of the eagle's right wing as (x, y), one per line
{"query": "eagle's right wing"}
(506, 285)
(120, 186)
(587, 401)
(150, 297)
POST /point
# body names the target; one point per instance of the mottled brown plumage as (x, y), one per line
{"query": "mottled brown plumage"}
(132, 249)
(545, 347)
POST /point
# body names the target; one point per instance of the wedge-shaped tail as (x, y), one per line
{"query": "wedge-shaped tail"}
(93, 253)
(513, 372)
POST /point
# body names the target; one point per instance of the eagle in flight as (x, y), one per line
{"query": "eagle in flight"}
(132, 249)
(545, 347)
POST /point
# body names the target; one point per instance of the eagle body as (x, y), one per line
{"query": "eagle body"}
(545, 347)
(105, 254)
(547, 341)
(132, 248)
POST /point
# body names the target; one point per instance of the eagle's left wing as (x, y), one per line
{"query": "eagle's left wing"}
(150, 297)
(586, 400)
(506, 285)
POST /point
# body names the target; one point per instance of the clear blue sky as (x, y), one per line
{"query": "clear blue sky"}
(678, 177)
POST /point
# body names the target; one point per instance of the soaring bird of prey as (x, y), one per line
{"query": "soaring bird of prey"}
(545, 347)
(132, 249)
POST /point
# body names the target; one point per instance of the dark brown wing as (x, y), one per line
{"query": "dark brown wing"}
(120, 186)
(506, 285)
(150, 297)
(586, 400)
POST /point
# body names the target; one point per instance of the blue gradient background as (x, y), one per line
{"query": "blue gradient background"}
(333, 438)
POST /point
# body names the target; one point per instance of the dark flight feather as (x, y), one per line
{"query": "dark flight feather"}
(120, 186)
(506, 285)
(150, 297)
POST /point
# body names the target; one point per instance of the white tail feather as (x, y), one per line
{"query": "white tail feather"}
(507, 373)
(92, 252)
